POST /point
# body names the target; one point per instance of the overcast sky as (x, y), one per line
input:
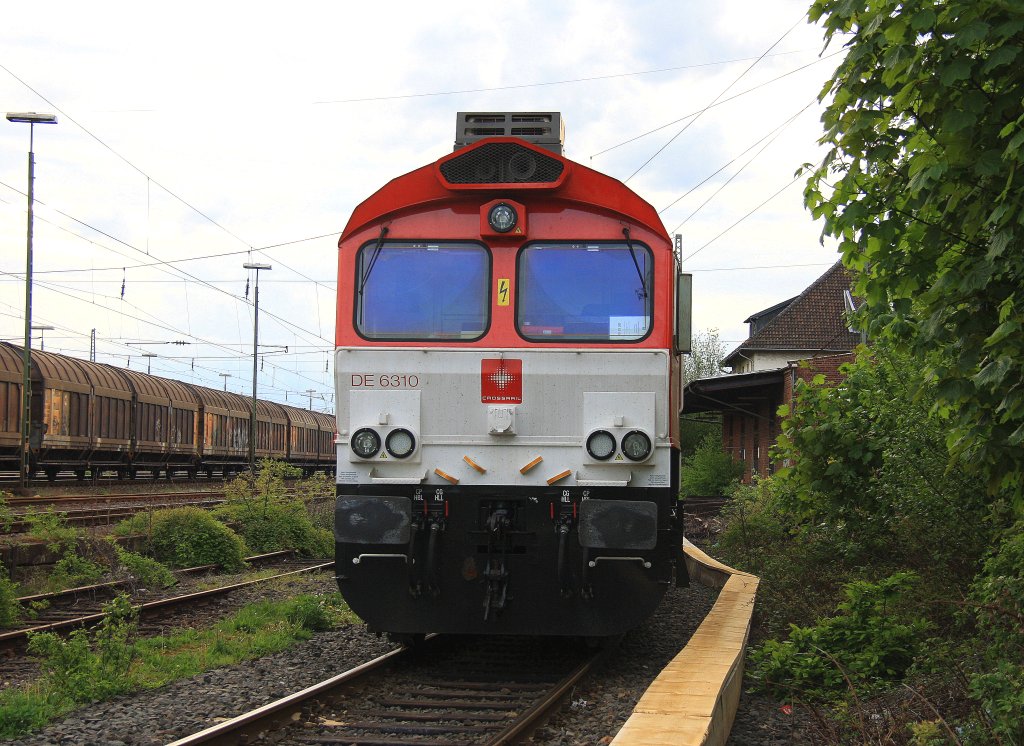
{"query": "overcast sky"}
(193, 133)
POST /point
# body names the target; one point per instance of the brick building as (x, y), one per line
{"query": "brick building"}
(811, 327)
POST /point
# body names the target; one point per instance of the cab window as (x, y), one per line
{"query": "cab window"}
(422, 291)
(597, 292)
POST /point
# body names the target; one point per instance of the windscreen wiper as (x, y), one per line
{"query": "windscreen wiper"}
(369, 268)
(632, 253)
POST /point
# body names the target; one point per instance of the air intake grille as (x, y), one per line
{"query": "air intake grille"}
(502, 163)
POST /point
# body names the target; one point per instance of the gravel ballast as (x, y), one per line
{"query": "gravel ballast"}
(597, 709)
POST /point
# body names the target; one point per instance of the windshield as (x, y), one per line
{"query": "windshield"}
(594, 292)
(413, 291)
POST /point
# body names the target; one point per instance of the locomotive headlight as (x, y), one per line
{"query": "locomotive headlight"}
(400, 443)
(636, 445)
(365, 443)
(502, 218)
(601, 445)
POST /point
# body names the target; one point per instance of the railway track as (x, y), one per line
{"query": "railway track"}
(104, 510)
(81, 607)
(126, 498)
(107, 516)
(448, 690)
(704, 506)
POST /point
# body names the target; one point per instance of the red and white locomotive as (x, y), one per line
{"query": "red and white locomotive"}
(509, 327)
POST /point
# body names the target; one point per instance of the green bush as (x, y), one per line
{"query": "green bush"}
(803, 566)
(91, 665)
(53, 529)
(269, 518)
(868, 646)
(277, 526)
(6, 515)
(146, 570)
(188, 537)
(710, 470)
(10, 610)
(996, 655)
(72, 571)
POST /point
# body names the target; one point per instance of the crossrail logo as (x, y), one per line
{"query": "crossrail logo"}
(501, 381)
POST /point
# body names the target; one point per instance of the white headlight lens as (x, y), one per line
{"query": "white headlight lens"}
(601, 445)
(400, 443)
(365, 443)
(636, 445)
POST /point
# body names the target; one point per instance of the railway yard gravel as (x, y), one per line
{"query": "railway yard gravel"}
(596, 711)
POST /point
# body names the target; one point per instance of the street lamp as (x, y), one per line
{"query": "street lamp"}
(149, 361)
(30, 118)
(42, 329)
(225, 376)
(311, 392)
(255, 346)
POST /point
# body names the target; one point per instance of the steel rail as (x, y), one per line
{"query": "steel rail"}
(280, 712)
(535, 716)
(149, 606)
(229, 731)
(117, 497)
(115, 584)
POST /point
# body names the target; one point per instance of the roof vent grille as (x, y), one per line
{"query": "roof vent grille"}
(546, 129)
(502, 163)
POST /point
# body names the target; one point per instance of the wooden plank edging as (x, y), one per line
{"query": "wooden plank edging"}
(693, 700)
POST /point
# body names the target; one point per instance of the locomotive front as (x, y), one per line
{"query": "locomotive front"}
(508, 335)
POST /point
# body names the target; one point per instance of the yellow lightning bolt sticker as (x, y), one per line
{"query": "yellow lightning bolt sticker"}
(503, 291)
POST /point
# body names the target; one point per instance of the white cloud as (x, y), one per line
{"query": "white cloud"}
(221, 104)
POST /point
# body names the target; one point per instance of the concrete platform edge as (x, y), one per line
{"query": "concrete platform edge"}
(662, 717)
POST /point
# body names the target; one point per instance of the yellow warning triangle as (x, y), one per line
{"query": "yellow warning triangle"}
(618, 457)
(383, 455)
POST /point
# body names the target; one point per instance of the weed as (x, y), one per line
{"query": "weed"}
(145, 570)
(53, 529)
(10, 610)
(90, 665)
(866, 646)
(73, 570)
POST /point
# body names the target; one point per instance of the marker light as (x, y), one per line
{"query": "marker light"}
(601, 445)
(502, 218)
(636, 445)
(400, 443)
(365, 443)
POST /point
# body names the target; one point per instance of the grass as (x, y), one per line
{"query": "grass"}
(256, 630)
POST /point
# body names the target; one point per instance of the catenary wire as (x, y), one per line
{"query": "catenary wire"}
(543, 84)
(762, 204)
(164, 266)
(740, 170)
(710, 176)
(723, 92)
(720, 103)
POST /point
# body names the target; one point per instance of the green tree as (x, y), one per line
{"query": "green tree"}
(705, 358)
(704, 361)
(921, 187)
(710, 470)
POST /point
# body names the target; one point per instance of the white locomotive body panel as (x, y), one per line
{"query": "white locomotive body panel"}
(437, 394)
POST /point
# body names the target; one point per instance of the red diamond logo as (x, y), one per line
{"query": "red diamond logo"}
(501, 381)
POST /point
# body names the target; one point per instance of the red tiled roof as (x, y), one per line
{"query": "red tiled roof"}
(815, 320)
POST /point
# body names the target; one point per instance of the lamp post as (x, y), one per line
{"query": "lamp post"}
(255, 346)
(30, 118)
(42, 329)
(149, 361)
(225, 376)
(311, 392)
